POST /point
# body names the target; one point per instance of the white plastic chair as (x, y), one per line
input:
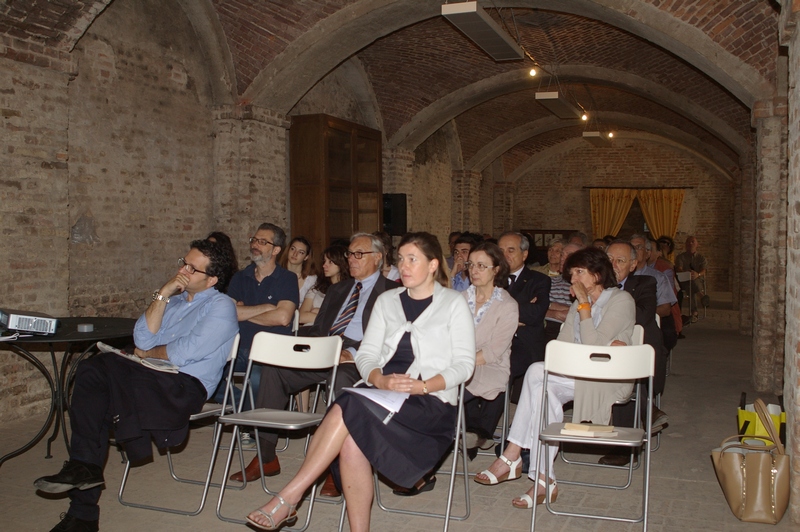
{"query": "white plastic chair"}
(598, 363)
(286, 352)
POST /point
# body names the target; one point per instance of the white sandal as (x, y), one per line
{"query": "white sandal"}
(528, 500)
(291, 516)
(514, 472)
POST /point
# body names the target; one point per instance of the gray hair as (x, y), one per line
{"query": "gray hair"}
(625, 243)
(524, 243)
(377, 245)
(646, 240)
(278, 235)
(556, 241)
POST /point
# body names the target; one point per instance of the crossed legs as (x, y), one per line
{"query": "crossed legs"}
(332, 439)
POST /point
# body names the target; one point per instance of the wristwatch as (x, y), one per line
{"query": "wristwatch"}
(159, 297)
(424, 388)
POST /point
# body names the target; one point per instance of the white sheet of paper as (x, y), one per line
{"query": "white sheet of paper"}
(391, 401)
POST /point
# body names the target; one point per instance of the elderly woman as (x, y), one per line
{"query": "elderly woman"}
(602, 314)
(553, 266)
(496, 316)
(420, 340)
(300, 260)
(334, 269)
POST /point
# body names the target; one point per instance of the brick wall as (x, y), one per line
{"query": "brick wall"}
(552, 196)
(431, 209)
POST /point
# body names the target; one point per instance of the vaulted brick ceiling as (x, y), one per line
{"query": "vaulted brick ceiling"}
(624, 79)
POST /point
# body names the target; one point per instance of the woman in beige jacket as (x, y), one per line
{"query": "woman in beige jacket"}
(496, 317)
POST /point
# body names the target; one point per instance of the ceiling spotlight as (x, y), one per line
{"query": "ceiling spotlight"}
(557, 104)
(597, 139)
(584, 117)
(533, 72)
(610, 135)
(479, 27)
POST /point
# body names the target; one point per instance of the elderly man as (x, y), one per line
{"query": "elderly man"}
(191, 324)
(665, 293)
(266, 297)
(693, 262)
(560, 299)
(643, 288)
(365, 258)
(532, 291)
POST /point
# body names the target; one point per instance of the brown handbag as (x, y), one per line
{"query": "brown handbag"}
(754, 478)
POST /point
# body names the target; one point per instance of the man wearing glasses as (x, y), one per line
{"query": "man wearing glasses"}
(266, 296)
(345, 311)
(188, 322)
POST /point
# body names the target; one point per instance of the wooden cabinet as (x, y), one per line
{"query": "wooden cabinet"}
(335, 179)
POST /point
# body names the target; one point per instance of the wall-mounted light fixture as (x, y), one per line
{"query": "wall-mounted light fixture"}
(480, 28)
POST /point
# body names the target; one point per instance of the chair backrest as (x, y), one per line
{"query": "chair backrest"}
(234, 349)
(296, 321)
(638, 335)
(658, 321)
(599, 361)
(296, 352)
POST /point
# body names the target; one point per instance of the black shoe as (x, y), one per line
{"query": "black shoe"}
(615, 459)
(660, 419)
(74, 474)
(427, 485)
(73, 524)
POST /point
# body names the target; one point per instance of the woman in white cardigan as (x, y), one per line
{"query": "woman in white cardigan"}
(421, 341)
(602, 314)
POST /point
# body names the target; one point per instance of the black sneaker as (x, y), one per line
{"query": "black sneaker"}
(74, 474)
(73, 524)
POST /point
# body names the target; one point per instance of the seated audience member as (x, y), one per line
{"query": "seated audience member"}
(602, 314)
(389, 270)
(335, 317)
(428, 359)
(532, 292)
(553, 267)
(334, 269)
(693, 262)
(451, 242)
(266, 297)
(643, 289)
(667, 247)
(560, 298)
(578, 238)
(190, 323)
(299, 259)
(459, 277)
(656, 260)
(600, 244)
(495, 315)
(225, 241)
(609, 239)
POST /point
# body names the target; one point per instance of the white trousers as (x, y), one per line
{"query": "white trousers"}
(524, 430)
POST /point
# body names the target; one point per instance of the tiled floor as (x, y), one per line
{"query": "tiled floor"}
(710, 369)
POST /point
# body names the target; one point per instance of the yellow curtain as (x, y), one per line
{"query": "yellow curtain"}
(661, 208)
(610, 206)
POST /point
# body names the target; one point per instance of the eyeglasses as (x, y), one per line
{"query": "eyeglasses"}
(189, 268)
(260, 241)
(479, 265)
(358, 255)
(618, 261)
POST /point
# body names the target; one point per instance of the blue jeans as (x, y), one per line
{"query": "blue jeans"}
(242, 357)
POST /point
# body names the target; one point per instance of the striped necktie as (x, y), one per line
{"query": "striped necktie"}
(347, 314)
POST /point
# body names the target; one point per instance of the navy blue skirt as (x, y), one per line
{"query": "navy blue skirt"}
(409, 445)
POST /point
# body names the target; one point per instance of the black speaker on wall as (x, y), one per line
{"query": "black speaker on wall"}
(394, 214)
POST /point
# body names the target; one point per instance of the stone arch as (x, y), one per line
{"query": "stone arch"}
(341, 35)
(450, 130)
(354, 72)
(212, 38)
(503, 143)
(572, 144)
(457, 102)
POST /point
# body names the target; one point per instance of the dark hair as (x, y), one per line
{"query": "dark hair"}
(430, 247)
(386, 238)
(582, 236)
(309, 266)
(221, 261)
(473, 239)
(593, 260)
(278, 235)
(494, 252)
(336, 255)
(664, 240)
(225, 241)
(609, 239)
(452, 234)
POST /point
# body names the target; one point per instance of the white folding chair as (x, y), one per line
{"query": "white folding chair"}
(598, 363)
(210, 410)
(286, 352)
(459, 446)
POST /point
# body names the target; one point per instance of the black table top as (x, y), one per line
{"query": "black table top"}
(67, 331)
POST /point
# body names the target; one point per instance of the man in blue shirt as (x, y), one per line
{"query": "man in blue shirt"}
(266, 296)
(191, 324)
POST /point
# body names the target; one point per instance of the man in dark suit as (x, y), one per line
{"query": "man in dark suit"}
(345, 311)
(643, 288)
(532, 291)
